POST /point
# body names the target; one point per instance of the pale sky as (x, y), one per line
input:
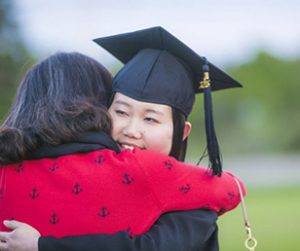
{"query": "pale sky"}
(225, 31)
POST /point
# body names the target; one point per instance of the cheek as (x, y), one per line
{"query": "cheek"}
(114, 133)
(116, 127)
(159, 140)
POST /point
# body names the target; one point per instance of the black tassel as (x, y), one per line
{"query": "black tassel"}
(215, 162)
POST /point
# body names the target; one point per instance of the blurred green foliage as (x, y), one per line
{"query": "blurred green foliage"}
(274, 215)
(263, 116)
(13, 56)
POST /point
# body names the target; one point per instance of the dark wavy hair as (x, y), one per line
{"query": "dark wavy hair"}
(58, 99)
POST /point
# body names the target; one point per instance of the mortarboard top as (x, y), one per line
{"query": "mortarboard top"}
(134, 50)
(161, 69)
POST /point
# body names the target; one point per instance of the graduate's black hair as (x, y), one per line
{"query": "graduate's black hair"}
(179, 146)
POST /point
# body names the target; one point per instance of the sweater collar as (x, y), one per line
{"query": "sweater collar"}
(88, 141)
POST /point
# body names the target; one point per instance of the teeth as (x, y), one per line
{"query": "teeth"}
(127, 147)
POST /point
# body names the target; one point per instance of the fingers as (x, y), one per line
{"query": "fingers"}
(13, 224)
(3, 237)
(3, 246)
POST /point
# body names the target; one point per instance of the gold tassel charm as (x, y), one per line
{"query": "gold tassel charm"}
(205, 83)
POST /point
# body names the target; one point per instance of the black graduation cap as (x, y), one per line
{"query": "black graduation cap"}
(161, 69)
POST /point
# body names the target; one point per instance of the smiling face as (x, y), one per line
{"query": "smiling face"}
(141, 124)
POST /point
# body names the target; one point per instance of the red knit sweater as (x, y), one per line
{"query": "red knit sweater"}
(105, 192)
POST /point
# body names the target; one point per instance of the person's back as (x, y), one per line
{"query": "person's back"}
(58, 99)
(112, 190)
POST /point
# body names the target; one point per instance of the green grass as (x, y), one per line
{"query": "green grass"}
(274, 214)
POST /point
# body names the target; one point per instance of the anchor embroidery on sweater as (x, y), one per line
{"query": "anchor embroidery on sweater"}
(104, 212)
(53, 168)
(19, 168)
(34, 193)
(77, 189)
(127, 179)
(100, 159)
(54, 220)
(168, 164)
(231, 195)
(185, 189)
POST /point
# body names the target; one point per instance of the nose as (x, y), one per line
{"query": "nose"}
(133, 129)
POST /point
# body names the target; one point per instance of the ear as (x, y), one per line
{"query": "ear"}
(187, 130)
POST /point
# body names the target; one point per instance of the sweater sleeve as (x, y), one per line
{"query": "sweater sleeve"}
(176, 231)
(179, 186)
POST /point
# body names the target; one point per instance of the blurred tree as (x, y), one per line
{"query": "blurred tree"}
(13, 55)
(260, 118)
(269, 107)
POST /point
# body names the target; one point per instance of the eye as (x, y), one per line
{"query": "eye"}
(121, 112)
(151, 120)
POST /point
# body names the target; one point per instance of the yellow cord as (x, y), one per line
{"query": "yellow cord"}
(250, 242)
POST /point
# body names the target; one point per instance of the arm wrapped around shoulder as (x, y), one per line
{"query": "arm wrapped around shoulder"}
(179, 186)
(230, 194)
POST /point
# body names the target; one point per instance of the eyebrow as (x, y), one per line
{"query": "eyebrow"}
(120, 102)
(155, 111)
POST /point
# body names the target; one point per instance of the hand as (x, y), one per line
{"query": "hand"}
(22, 238)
